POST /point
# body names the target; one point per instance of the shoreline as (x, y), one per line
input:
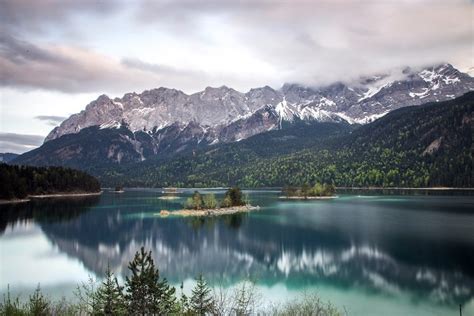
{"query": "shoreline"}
(209, 212)
(14, 201)
(49, 196)
(59, 195)
(308, 197)
(407, 188)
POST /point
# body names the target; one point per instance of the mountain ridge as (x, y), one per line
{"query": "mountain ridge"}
(216, 109)
(418, 146)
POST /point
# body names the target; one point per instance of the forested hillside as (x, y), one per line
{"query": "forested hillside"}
(17, 182)
(429, 145)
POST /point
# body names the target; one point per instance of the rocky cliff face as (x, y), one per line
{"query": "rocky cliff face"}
(163, 121)
(224, 114)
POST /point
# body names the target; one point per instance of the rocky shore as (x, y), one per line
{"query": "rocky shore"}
(209, 212)
(308, 197)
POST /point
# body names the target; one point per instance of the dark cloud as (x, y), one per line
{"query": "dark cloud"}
(256, 42)
(51, 119)
(35, 16)
(19, 52)
(19, 143)
(64, 68)
(75, 70)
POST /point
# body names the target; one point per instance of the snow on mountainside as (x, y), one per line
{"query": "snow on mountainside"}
(224, 114)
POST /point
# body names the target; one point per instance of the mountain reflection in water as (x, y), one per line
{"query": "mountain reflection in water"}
(422, 245)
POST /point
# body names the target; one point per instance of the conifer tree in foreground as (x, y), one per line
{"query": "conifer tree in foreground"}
(184, 302)
(110, 298)
(202, 302)
(146, 293)
(38, 305)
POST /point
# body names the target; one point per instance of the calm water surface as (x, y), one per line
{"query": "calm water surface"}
(370, 254)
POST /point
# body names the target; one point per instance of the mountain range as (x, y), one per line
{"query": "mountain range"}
(419, 146)
(7, 157)
(163, 124)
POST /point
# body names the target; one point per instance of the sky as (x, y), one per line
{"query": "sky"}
(56, 56)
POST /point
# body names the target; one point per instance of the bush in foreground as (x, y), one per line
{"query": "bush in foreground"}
(146, 293)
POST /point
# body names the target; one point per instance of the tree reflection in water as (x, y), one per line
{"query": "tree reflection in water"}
(344, 244)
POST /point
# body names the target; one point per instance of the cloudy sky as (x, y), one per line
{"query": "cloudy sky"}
(57, 56)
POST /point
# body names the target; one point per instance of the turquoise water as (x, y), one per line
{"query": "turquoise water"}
(369, 254)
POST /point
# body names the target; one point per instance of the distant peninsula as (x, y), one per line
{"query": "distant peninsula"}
(22, 183)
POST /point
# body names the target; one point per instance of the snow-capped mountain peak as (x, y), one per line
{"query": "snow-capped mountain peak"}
(224, 114)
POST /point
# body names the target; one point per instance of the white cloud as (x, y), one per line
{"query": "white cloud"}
(119, 47)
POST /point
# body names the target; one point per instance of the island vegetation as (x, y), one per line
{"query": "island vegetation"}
(146, 292)
(207, 204)
(20, 182)
(309, 192)
(232, 198)
(118, 189)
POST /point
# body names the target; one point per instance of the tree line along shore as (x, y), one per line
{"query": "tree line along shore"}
(317, 191)
(22, 182)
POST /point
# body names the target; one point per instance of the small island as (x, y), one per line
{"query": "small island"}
(306, 192)
(23, 183)
(207, 205)
(170, 193)
(118, 189)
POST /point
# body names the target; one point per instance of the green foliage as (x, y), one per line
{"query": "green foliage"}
(422, 146)
(12, 306)
(184, 302)
(305, 190)
(195, 202)
(226, 201)
(201, 300)
(309, 304)
(109, 296)
(233, 197)
(189, 204)
(86, 295)
(16, 182)
(38, 305)
(146, 293)
(210, 201)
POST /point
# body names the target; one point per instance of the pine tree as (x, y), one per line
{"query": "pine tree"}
(201, 300)
(110, 299)
(184, 301)
(146, 293)
(10, 306)
(233, 197)
(38, 305)
(165, 298)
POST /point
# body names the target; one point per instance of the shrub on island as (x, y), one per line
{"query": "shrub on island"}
(233, 197)
(199, 202)
(318, 190)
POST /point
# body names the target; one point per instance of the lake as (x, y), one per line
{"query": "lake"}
(367, 253)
